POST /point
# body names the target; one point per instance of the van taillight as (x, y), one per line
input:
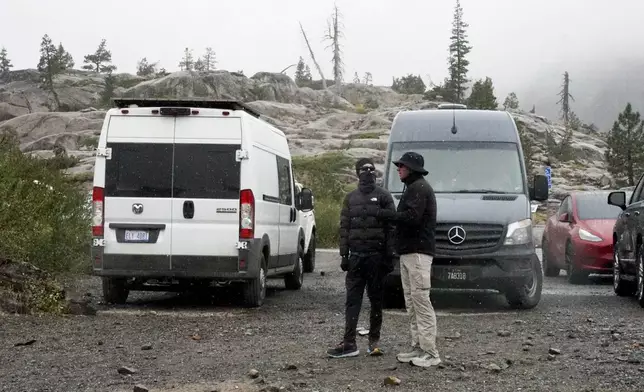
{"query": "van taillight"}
(246, 214)
(98, 201)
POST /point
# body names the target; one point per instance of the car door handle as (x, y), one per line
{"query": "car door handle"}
(188, 209)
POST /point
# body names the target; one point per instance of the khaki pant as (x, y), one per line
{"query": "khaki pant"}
(415, 273)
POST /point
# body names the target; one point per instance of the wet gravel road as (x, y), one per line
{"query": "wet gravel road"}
(579, 338)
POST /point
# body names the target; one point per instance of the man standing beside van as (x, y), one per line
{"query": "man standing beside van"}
(415, 222)
(367, 251)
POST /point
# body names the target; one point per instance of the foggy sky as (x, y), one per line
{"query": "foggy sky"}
(515, 42)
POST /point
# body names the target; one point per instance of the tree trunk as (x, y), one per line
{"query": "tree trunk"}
(313, 58)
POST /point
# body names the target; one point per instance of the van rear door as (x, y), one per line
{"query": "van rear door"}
(206, 185)
(138, 190)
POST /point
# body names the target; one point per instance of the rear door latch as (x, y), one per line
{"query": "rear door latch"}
(241, 154)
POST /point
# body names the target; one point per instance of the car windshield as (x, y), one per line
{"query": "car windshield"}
(464, 167)
(595, 206)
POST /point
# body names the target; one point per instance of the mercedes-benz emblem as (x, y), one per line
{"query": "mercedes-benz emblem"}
(137, 208)
(456, 235)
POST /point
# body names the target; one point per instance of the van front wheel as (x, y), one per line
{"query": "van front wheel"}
(115, 290)
(527, 294)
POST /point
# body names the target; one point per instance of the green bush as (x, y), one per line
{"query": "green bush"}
(44, 219)
(323, 175)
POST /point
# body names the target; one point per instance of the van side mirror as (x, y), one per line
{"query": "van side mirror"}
(617, 199)
(539, 189)
(305, 200)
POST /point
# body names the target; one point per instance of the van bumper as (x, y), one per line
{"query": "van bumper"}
(509, 266)
(245, 266)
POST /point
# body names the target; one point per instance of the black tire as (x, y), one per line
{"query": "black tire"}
(550, 269)
(528, 294)
(309, 258)
(574, 274)
(115, 290)
(255, 290)
(639, 276)
(622, 288)
(295, 279)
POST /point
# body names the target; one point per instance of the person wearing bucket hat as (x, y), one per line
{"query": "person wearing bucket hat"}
(366, 248)
(415, 222)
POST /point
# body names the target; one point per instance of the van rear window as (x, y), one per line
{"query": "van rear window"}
(139, 170)
(207, 171)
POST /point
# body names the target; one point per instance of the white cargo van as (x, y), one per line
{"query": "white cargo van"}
(189, 191)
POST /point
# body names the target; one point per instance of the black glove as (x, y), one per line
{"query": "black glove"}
(345, 263)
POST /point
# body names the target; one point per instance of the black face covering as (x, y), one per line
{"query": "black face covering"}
(367, 181)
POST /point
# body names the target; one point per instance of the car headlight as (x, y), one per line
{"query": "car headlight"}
(588, 236)
(519, 233)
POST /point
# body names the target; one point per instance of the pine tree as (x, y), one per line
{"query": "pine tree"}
(625, 153)
(143, 68)
(482, 96)
(99, 62)
(200, 65)
(108, 91)
(534, 109)
(356, 78)
(527, 146)
(299, 72)
(511, 102)
(410, 84)
(459, 48)
(187, 62)
(49, 66)
(368, 78)
(65, 58)
(209, 60)
(5, 63)
(565, 98)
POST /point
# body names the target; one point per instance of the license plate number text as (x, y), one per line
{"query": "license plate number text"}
(136, 236)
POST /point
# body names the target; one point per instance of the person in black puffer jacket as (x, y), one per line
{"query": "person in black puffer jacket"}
(367, 251)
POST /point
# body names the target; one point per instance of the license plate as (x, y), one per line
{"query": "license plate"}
(456, 275)
(136, 236)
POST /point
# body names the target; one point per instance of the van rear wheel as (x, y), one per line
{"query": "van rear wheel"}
(295, 279)
(115, 290)
(309, 258)
(528, 294)
(255, 290)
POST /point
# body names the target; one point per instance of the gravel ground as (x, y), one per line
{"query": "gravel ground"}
(579, 338)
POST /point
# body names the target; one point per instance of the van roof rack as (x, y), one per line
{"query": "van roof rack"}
(122, 103)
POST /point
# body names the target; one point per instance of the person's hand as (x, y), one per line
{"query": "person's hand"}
(384, 214)
(344, 264)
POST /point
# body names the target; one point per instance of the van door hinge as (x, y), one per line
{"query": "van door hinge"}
(241, 154)
(104, 152)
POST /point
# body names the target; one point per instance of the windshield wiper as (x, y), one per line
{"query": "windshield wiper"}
(480, 191)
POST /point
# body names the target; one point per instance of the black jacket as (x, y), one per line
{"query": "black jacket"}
(415, 219)
(361, 232)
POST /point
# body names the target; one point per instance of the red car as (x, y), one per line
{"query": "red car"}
(579, 237)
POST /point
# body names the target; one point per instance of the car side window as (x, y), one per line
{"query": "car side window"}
(565, 206)
(637, 192)
(285, 181)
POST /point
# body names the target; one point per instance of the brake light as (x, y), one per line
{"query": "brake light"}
(125, 111)
(98, 201)
(246, 214)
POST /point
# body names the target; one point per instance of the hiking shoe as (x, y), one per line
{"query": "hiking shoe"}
(426, 361)
(343, 350)
(374, 349)
(407, 357)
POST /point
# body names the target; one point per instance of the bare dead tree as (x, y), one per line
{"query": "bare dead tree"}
(285, 69)
(333, 35)
(313, 58)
